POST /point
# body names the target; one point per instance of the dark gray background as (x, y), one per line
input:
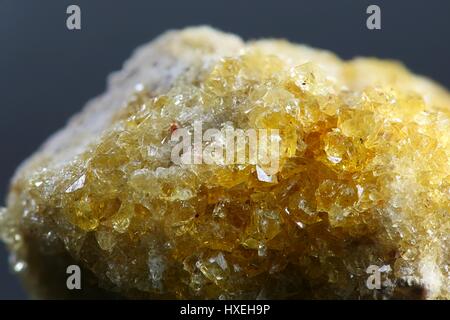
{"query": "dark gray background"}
(47, 72)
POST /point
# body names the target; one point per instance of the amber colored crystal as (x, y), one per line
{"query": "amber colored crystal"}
(364, 179)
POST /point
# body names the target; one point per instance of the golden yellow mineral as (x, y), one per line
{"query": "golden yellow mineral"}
(354, 205)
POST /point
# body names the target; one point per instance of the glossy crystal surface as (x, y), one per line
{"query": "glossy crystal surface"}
(364, 179)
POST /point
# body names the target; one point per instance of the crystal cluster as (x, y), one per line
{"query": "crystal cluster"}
(363, 180)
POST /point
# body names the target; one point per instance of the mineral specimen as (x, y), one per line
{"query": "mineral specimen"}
(362, 185)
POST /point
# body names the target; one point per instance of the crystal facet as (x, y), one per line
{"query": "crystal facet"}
(363, 179)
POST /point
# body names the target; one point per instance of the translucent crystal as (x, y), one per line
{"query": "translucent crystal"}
(363, 178)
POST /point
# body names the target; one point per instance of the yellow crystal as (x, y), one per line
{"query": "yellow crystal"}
(363, 179)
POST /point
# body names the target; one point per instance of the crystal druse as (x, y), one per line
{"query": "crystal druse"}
(363, 180)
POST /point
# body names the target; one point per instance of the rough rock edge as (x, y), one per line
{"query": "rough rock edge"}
(156, 65)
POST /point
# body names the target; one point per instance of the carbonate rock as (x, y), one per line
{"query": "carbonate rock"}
(362, 181)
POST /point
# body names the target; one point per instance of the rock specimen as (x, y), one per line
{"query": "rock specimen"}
(363, 180)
